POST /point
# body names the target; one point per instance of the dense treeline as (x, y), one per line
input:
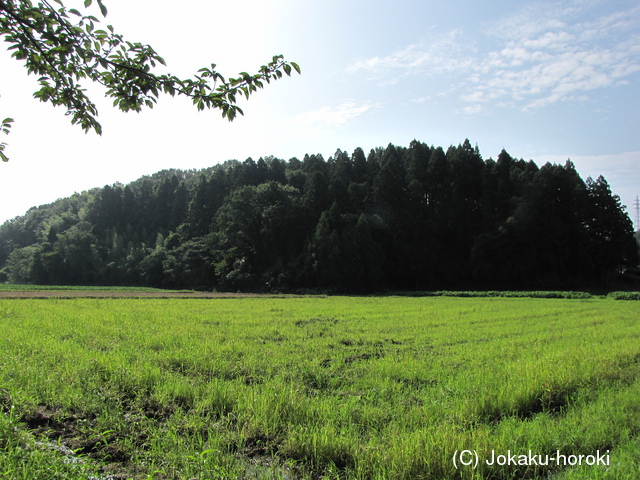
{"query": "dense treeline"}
(398, 218)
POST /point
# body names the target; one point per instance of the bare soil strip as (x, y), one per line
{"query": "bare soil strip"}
(62, 294)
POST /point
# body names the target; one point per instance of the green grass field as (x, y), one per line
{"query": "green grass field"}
(309, 388)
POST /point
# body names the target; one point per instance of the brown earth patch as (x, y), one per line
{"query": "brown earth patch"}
(74, 434)
(69, 294)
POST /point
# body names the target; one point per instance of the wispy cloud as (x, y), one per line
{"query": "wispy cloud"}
(542, 54)
(430, 56)
(550, 57)
(331, 116)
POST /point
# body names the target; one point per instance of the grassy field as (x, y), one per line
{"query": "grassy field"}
(309, 388)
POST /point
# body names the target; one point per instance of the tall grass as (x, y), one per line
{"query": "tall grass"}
(350, 388)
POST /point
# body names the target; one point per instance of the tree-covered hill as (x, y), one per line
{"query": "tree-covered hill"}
(416, 217)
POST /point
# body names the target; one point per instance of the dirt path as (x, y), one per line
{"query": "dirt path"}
(107, 294)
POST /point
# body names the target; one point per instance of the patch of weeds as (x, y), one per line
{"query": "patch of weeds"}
(272, 468)
(46, 419)
(110, 450)
(23, 456)
(624, 295)
(154, 410)
(316, 380)
(274, 336)
(418, 383)
(552, 400)
(316, 320)
(260, 444)
(6, 401)
(362, 356)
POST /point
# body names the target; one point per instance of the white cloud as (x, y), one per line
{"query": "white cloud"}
(551, 57)
(430, 56)
(472, 109)
(329, 117)
(543, 54)
(549, 40)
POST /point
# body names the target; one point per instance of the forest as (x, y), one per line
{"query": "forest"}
(395, 219)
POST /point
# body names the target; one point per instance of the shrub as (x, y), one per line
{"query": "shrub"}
(624, 295)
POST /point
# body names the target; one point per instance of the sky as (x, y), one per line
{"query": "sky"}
(547, 81)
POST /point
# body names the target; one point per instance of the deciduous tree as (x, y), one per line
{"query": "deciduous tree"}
(66, 48)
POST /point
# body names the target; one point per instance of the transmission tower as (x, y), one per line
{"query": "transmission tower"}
(637, 220)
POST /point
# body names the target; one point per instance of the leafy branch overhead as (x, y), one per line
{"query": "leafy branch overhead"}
(64, 47)
(5, 126)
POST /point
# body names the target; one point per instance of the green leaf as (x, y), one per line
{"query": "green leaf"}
(87, 3)
(103, 9)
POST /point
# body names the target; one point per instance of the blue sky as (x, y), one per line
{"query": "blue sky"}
(546, 81)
